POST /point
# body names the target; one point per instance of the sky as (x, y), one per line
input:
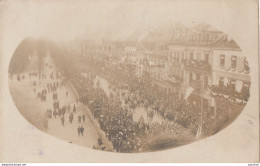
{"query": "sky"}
(113, 19)
(95, 19)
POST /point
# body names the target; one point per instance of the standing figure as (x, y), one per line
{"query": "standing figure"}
(74, 108)
(62, 120)
(82, 130)
(58, 104)
(83, 118)
(100, 142)
(71, 117)
(79, 119)
(55, 113)
(64, 108)
(79, 130)
(50, 113)
(54, 105)
(18, 78)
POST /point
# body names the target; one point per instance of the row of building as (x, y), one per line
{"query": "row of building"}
(177, 58)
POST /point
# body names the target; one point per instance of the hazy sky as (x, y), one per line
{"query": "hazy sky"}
(111, 18)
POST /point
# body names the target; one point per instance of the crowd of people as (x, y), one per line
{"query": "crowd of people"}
(114, 120)
(114, 112)
(60, 111)
(187, 113)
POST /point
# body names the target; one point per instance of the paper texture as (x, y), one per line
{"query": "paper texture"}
(66, 22)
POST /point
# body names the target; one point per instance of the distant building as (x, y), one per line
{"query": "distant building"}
(230, 77)
(215, 68)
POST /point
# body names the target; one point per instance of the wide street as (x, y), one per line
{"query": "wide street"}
(23, 91)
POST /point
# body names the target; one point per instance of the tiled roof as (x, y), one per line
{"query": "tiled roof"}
(161, 34)
(223, 42)
(205, 27)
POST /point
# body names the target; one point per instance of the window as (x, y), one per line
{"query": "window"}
(246, 66)
(222, 60)
(233, 62)
(207, 37)
(191, 56)
(206, 57)
(239, 85)
(197, 76)
(199, 56)
(232, 83)
(178, 56)
(182, 56)
(190, 77)
(205, 82)
(193, 37)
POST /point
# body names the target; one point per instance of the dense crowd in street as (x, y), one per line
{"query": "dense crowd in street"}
(114, 112)
(114, 120)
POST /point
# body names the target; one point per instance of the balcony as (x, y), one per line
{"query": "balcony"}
(240, 68)
(200, 65)
(228, 93)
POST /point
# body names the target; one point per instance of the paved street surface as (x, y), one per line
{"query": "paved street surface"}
(27, 101)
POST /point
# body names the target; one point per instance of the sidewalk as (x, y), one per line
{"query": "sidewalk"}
(30, 106)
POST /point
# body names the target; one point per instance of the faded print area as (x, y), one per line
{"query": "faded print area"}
(154, 89)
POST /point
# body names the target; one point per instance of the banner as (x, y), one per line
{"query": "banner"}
(189, 90)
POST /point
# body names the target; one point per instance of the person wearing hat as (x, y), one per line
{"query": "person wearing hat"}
(79, 130)
(82, 130)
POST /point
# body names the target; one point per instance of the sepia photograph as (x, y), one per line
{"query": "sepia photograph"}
(152, 90)
(128, 77)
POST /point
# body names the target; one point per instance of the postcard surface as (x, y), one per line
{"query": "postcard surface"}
(129, 81)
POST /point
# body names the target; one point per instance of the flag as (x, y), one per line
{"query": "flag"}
(189, 90)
